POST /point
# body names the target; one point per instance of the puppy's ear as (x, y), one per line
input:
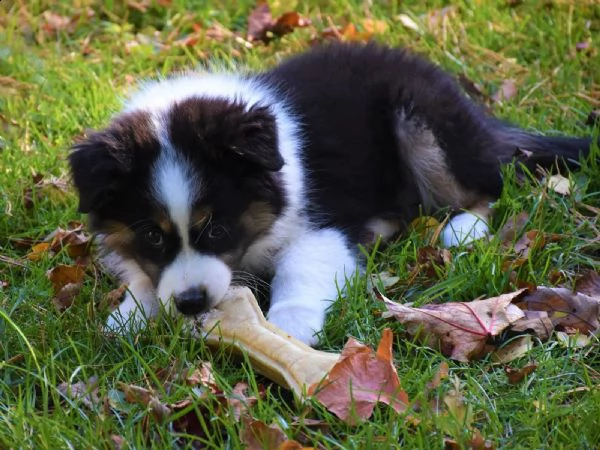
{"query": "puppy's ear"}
(102, 164)
(257, 139)
(227, 133)
(98, 167)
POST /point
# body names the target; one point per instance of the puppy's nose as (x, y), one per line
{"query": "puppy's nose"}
(191, 302)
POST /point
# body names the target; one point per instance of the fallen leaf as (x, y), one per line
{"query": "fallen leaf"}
(588, 284)
(515, 376)
(565, 308)
(288, 22)
(257, 435)
(513, 228)
(38, 251)
(478, 442)
(62, 275)
(54, 23)
(559, 184)
(536, 322)
(239, 400)
(516, 348)
(507, 90)
(459, 330)
(360, 379)
(573, 340)
(260, 22)
(440, 374)
(408, 22)
(53, 189)
(84, 391)
(203, 374)
(262, 26)
(65, 297)
(118, 442)
(112, 299)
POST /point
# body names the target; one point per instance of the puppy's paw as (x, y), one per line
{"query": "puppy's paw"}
(463, 229)
(129, 317)
(298, 321)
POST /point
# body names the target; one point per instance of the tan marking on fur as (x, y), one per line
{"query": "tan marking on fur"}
(436, 184)
(164, 223)
(200, 216)
(481, 208)
(257, 218)
(383, 228)
(118, 237)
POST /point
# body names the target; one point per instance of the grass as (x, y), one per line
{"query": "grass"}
(55, 83)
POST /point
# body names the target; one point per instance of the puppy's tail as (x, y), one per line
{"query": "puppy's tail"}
(532, 151)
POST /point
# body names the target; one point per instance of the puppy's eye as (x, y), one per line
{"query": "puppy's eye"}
(217, 232)
(155, 238)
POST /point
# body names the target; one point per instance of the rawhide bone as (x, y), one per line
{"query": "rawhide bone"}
(238, 323)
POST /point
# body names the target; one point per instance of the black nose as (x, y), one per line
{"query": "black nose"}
(191, 302)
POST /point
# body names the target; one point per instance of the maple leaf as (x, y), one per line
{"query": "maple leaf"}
(566, 309)
(360, 379)
(84, 391)
(460, 330)
(66, 282)
(517, 375)
(262, 26)
(257, 435)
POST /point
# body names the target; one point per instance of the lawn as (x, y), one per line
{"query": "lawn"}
(64, 66)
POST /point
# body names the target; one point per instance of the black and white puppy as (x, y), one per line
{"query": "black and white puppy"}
(205, 177)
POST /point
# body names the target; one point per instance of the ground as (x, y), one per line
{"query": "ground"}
(64, 65)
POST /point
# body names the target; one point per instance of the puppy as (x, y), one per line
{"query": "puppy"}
(205, 178)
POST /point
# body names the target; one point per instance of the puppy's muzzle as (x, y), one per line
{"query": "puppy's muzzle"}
(191, 302)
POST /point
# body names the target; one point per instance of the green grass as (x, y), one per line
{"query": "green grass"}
(52, 90)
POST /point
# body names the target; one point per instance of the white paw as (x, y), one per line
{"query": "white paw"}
(463, 229)
(129, 317)
(298, 321)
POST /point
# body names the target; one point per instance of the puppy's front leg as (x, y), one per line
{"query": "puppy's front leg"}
(140, 302)
(306, 280)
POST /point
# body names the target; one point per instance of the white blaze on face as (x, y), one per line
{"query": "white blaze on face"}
(177, 187)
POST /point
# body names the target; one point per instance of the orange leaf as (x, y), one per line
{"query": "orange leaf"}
(360, 379)
(62, 275)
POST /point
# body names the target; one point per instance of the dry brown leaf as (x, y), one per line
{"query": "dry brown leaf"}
(112, 299)
(588, 284)
(38, 251)
(118, 442)
(84, 391)
(515, 376)
(53, 189)
(360, 379)
(257, 435)
(262, 26)
(239, 400)
(260, 22)
(65, 297)
(440, 374)
(459, 330)
(507, 90)
(559, 184)
(62, 275)
(536, 322)
(203, 374)
(516, 348)
(565, 308)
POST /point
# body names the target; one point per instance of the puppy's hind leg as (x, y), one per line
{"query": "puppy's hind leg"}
(468, 226)
(305, 282)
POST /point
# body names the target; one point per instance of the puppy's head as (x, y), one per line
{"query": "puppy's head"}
(182, 191)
